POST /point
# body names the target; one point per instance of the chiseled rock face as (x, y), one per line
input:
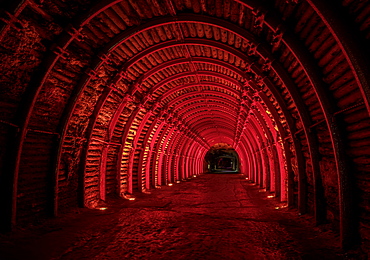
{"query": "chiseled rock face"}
(99, 101)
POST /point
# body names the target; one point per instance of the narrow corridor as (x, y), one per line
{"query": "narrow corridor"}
(101, 100)
(213, 216)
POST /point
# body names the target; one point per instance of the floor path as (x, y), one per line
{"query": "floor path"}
(213, 216)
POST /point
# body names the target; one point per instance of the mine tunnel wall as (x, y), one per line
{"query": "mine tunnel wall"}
(109, 99)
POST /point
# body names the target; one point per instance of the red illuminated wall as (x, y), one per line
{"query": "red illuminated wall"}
(107, 99)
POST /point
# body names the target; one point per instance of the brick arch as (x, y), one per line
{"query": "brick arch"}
(284, 68)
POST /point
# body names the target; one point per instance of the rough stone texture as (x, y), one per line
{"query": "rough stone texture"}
(66, 67)
(214, 216)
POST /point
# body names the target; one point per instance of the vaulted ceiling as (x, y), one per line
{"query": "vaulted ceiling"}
(117, 96)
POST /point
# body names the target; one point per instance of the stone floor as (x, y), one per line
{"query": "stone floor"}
(213, 216)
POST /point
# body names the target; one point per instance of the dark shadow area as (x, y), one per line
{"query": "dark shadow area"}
(222, 158)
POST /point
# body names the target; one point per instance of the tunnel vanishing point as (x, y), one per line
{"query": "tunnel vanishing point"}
(107, 98)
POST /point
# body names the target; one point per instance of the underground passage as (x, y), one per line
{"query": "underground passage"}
(185, 129)
(222, 158)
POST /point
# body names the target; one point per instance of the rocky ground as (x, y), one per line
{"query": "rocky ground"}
(213, 216)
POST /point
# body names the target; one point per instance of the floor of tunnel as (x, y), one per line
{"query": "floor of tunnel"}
(213, 216)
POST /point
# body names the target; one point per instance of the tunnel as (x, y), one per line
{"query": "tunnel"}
(222, 158)
(117, 98)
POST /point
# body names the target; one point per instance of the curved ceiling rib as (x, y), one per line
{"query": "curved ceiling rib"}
(200, 84)
(136, 96)
(199, 73)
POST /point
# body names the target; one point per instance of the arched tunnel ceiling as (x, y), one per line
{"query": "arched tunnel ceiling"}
(134, 88)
